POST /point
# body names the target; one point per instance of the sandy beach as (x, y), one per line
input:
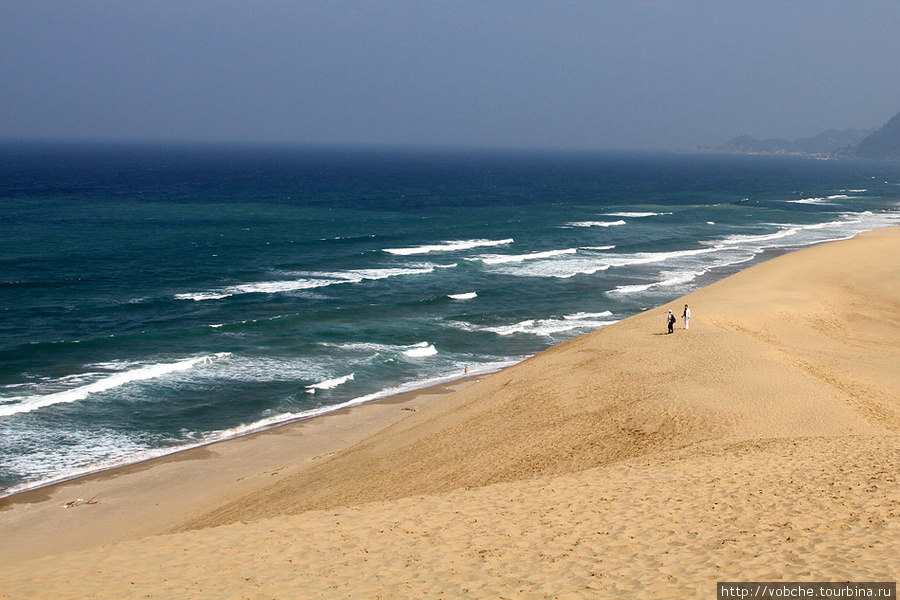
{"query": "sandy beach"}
(762, 444)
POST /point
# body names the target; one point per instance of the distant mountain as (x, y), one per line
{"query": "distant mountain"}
(824, 143)
(883, 144)
(831, 141)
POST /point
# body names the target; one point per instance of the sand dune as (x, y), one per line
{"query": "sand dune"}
(762, 444)
(803, 345)
(810, 509)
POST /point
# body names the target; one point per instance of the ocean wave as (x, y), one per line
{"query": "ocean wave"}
(595, 223)
(590, 265)
(417, 384)
(308, 281)
(647, 258)
(450, 246)
(820, 200)
(682, 278)
(635, 214)
(329, 384)
(466, 296)
(25, 404)
(556, 325)
(97, 450)
(583, 315)
(389, 351)
(741, 248)
(787, 230)
(421, 350)
(499, 259)
(557, 268)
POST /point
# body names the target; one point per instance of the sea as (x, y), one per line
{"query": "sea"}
(159, 297)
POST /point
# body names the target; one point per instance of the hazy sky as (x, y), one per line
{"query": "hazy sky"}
(491, 73)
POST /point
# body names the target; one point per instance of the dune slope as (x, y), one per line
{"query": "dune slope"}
(806, 344)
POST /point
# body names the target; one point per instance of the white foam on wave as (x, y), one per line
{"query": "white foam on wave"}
(202, 296)
(820, 200)
(373, 349)
(583, 315)
(449, 246)
(130, 451)
(843, 228)
(646, 258)
(592, 264)
(274, 420)
(499, 259)
(97, 450)
(740, 248)
(755, 239)
(558, 268)
(309, 281)
(635, 214)
(466, 296)
(595, 223)
(809, 201)
(420, 350)
(25, 404)
(672, 280)
(329, 384)
(555, 325)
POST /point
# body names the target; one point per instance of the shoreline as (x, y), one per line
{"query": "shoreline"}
(436, 385)
(759, 445)
(713, 275)
(7, 498)
(234, 466)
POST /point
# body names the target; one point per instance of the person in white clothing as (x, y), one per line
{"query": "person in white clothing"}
(687, 317)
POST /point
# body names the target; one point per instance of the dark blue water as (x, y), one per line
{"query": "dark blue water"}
(157, 297)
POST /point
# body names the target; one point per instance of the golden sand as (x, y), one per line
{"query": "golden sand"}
(762, 444)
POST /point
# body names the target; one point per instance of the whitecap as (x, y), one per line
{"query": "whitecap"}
(309, 281)
(202, 296)
(635, 214)
(809, 201)
(558, 268)
(450, 246)
(583, 315)
(499, 259)
(678, 279)
(421, 350)
(24, 404)
(553, 326)
(330, 384)
(466, 296)
(595, 223)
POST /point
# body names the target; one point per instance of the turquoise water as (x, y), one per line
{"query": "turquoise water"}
(159, 297)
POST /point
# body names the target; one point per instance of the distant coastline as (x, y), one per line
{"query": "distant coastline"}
(874, 144)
